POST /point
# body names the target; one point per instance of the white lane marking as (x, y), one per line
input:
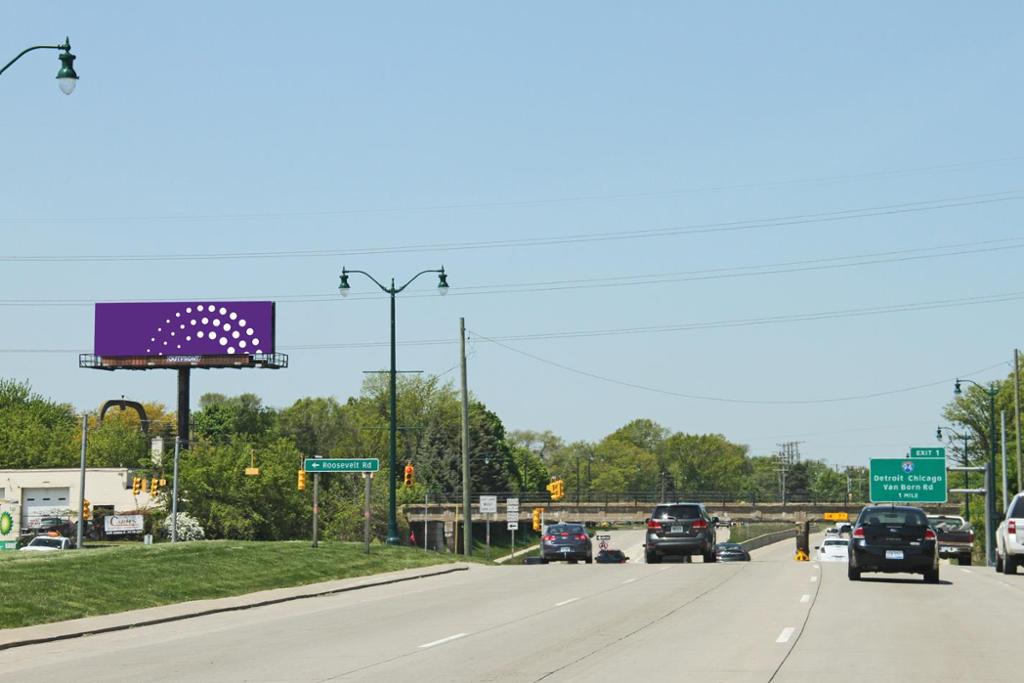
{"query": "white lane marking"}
(786, 634)
(444, 640)
(805, 598)
(565, 602)
(813, 579)
(966, 571)
(628, 581)
(817, 566)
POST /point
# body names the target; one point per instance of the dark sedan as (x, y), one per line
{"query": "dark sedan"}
(569, 542)
(731, 552)
(611, 557)
(894, 539)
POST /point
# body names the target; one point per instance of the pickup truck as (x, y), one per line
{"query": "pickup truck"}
(1010, 537)
(955, 537)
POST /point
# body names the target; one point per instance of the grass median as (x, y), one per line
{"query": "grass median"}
(38, 588)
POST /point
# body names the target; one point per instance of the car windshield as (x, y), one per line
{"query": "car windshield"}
(556, 529)
(1017, 511)
(730, 546)
(893, 517)
(947, 523)
(837, 541)
(46, 542)
(677, 512)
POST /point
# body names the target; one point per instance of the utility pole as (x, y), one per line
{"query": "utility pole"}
(81, 485)
(788, 455)
(467, 511)
(1016, 414)
(1006, 485)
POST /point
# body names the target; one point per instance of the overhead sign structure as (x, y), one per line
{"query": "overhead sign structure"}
(488, 505)
(341, 465)
(929, 452)
(908, 480)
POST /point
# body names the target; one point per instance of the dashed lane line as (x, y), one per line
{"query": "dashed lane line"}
(443, 640)
(786, 634)
(565, 602)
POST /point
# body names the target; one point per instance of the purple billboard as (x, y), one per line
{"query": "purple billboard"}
(200, 328)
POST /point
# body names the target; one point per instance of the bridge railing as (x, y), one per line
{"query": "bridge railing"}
(638, 498)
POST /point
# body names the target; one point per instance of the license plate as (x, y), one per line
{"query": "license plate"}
(565, 550)
(894, 554)
(948, 549)
(679, 530)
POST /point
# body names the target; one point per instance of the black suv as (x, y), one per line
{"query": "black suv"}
(681, 529)
(894, 538)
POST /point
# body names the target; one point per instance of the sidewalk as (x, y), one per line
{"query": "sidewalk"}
(61, 630)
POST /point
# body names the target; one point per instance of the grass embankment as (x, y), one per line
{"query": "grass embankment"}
(501, 543)
(37, 588)
(745, 532)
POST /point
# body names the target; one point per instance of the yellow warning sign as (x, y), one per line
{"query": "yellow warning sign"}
(801, 556)
(837, 516)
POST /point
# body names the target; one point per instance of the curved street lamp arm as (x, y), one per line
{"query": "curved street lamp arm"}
(422, 272)
(65, 46)
(386, 290)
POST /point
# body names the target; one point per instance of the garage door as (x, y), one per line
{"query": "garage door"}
(43, 502)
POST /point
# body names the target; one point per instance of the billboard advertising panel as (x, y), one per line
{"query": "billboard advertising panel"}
(199, 328)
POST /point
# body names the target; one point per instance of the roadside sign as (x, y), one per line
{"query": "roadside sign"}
(603, 545)
(513, 526)
(930, 452)
(341, 465)
(837, 517)
(488, 505)
(512, 504)
(604, 537)
(908, 480)
(123, 524)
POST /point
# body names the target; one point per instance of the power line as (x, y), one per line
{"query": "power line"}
(700, 228)
(696, 397)
(186, 218)
(726, 272)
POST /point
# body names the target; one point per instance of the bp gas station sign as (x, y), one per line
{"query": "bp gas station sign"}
(8, 526)
(908, 480)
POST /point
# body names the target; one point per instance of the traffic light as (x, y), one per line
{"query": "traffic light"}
(551, 489)
(154, 484)
(536, 518)
(136, 485)
(301, 483)
(86, 510)
(409, 472)
(557, 489)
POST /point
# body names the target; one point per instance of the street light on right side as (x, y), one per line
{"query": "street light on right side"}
(990, 472)
(66, 76)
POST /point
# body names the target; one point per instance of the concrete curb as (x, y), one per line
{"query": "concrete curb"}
(518, 553)
(237, 603)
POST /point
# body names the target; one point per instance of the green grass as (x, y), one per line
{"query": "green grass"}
(38, 588)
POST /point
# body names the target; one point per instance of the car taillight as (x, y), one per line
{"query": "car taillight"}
(699, 524)
(580, 537)
(653, 526)
(549, 537)
(929, 535)
(858, 532)
(1011, 526)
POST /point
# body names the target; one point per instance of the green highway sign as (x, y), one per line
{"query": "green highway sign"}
(928, 452)
(908, 480)
(341, 465)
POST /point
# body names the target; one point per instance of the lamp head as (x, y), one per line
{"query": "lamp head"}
(938, 433)
(442, 282)
(956, 388)
(344, 287)
(67, 79)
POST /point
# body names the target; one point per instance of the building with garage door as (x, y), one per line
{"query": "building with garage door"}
(55, 492)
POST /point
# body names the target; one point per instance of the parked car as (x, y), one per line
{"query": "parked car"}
(611, 556)
(568, 542)
(731, 552)
(682, 530)
(956, 537)
(894, 538)
(1010, 537)
(48, 544)
(834, 549)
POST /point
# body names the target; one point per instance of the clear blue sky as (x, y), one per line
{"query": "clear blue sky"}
(213, 128)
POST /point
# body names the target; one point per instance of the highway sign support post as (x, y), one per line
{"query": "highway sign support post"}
(512, 518)
(318, 464)
(488, 507)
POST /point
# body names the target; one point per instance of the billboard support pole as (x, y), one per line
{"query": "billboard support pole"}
(183, 405)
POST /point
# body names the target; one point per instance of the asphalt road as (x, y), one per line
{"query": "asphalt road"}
(772, 619)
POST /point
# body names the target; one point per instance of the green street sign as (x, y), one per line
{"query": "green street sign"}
(341, 464)
(937, 452)
(908, 480)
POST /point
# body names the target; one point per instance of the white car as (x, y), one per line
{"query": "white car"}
(48, 544)
(1010, 537)
(834, 549)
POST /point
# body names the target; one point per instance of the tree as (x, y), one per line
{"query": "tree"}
(705, 463)
(35, 431)
(222, 418)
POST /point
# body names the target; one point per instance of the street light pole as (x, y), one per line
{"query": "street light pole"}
(66, 76)
(990, 473)
(392, 291)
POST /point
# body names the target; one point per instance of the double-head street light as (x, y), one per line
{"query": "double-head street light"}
(956, 435)
(66, 76)
(990, 472)
(343, 289)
